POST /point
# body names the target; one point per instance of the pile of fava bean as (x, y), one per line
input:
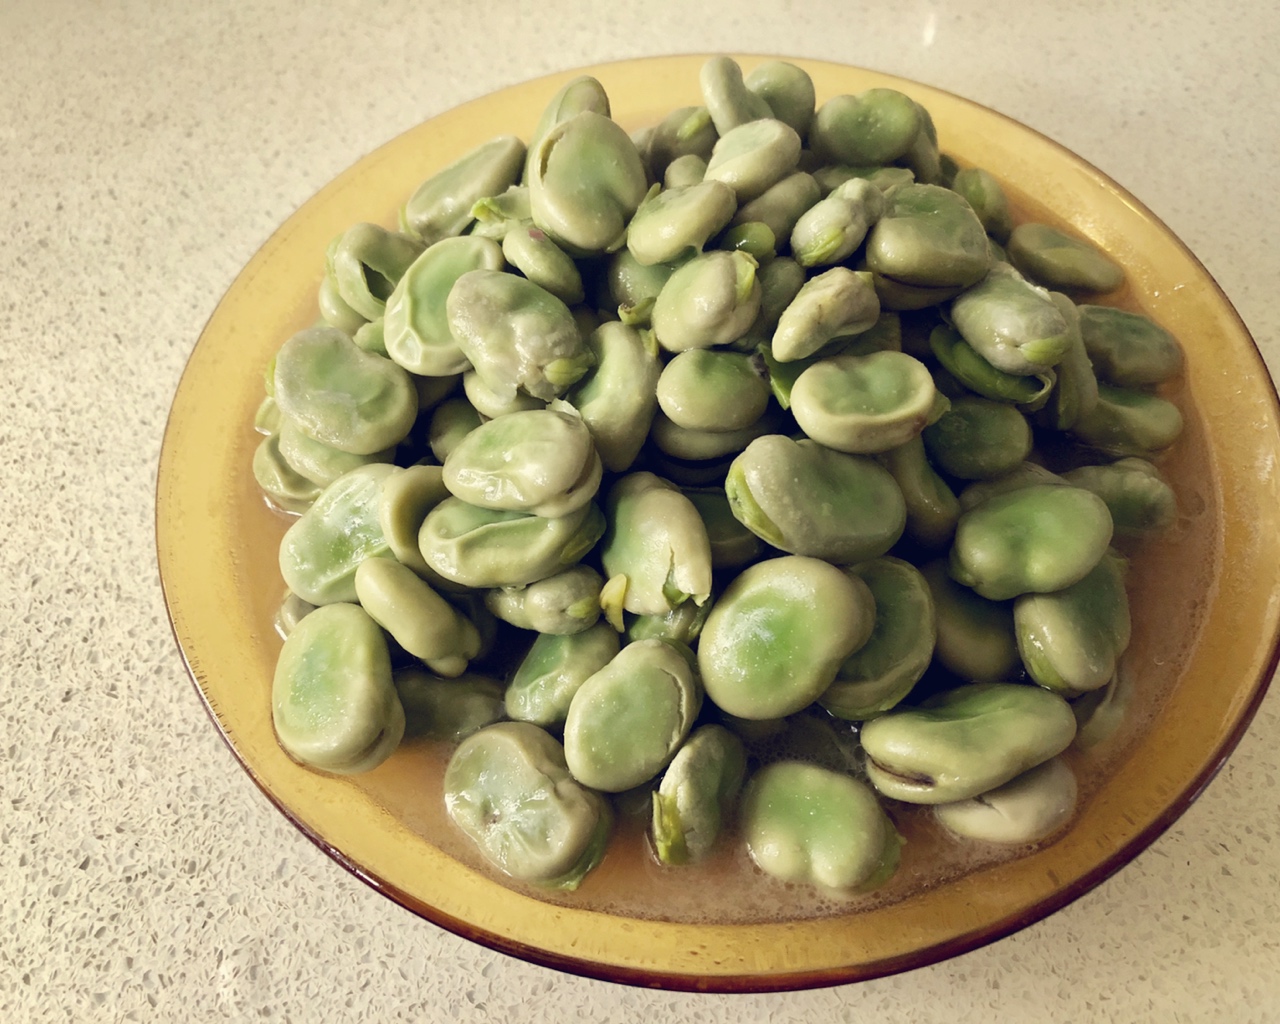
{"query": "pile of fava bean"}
(768, 412)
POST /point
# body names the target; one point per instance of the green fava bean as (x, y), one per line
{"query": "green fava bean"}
(627, 721)
(554, 670)
(755, 239)
(682, 624)
(319, 553)
(1013, 324)
(283, 485)
(1129, 350)
(1100, 713)
(334, 310)
(617, 398)
(732, 544)
(632, 287)
(829, 176)
(406, 499)
(977, 439)
(1127, 422)
(371, 337)
(874, 128)
(704, 389)
(543, 262)
(1025, 474)
(366, 262)
(418, 619)
(292, 610)
(686, 131)
(496, 215)
(1026, 809)
(696, 795)
(788, 90)
(982, 191)
(812, 825)
(710, 300)
(447, 709)
(976, 639)
(754, 157)
(1058, 260)
(567, 602)
(922, 156)
(1076, 391)
(484, 548)
(905, 298)
(509, 789)
(928, 236)
(516, 334)
(729, 101)
(960, 359)
(348, 399)
(886, 179)
(865, 404)
(267, 418)
(542, 461)
(320, 463)
(932, 507)
(471, 604)
(579, 94)
(441, 206)
(684, 171)
(332, 700)
(948, 168)
(1036, 539)
(834, 304)
(1141, 503)
(1071, 639)
(657, 544)
(831, 230)
(807, 499)
(643, 139)
(586, 180)
(783, 376)
(706, 446)
(491, 404)
(880, 673)
(780, 282)
(451, 421)
(775, 640)
(965, 742)
(781, 205)
(672, 222)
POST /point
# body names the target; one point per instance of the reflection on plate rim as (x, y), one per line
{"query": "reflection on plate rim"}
(776, 977)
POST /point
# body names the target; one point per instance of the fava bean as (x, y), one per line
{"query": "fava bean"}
(332, 699)
(697, 793)
(1062, 261)
(965, 742)
(809, 824)
(1026, 809)
(627, 721)
(508, 787)
(775, 640)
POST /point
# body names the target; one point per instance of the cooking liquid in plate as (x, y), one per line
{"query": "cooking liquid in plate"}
(1169, 577)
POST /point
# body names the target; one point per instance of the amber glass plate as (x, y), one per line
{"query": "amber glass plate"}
(1205, 598)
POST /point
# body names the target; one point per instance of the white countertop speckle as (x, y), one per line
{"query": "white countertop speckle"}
(147, 150)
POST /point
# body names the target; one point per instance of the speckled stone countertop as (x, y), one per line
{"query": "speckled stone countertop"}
(147, 150)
